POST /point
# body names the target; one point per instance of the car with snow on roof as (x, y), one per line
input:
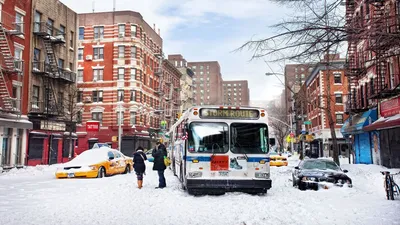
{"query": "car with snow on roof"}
(103, 161)
(316, 173)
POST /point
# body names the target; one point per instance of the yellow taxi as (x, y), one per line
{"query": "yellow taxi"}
(96, 163)
(277, 159)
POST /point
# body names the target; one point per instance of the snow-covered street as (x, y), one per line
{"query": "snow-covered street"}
(34, 196)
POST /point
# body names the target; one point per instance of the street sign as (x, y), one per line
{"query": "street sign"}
(307, 122)
(92, 126)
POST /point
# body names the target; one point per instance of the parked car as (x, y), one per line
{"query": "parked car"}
(102, 162)
(313, 173)
(277, 159)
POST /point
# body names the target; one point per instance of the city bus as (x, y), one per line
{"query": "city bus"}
(219, 149)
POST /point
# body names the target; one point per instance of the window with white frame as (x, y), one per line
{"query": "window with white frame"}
(98, 116)
(97, 96)
(338, 98)
(98, 53)
(120, 118)
(121, 30)
(120, 96)
(35, 96)
(80, 54)
(133, 52)
(133, 73)
(80, 76)
(121, 73)
(133, 96)
(121, 51)
(339, 118)
(133, 30)
(98, 32)
(133, 118)
(97, 74)
(337, 78)
(19, 22)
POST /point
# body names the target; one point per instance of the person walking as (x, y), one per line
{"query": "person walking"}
(159, 152)
(139, 158)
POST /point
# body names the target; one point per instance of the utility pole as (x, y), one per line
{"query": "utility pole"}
(119, 127)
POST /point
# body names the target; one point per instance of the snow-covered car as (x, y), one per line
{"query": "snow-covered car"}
(313, 173)
(99, 163)
(277, 159)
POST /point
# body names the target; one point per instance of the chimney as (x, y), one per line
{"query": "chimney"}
(154, 26)
(159, 33)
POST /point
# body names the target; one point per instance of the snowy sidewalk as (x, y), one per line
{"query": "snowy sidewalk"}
(33, 196)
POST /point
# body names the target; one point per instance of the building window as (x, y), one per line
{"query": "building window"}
(339, 98)
(62, 29)
(120, 97)
(133, 73)
(80, 76)
(98, 53)
(35, 96)
(79, 117)
(61, 63)
(71, 66)
(133, 52)
(80, 54)
(97, 74)
(98, 116)
(121, 51)
(71, 40)
(79, 96)
(133, 118)
(61, 99)
(121, 73)
(338, 78)
(81, 33)
(97, 96)
(133, 30)
(37, 19)
(339, 118)
(121, 30)
(98, 32)
(133, 95)
(6, 147)
(50, 25)
(19, 22)
(36, 59)
(120, 118)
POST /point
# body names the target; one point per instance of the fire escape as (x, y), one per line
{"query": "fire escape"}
(10, 67)
(384, 35)
(159, 71)
(50, 71)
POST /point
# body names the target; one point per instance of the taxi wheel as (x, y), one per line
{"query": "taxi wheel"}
(101, 173)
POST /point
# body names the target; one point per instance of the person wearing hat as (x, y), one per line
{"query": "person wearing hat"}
(139, 165)
(159, 152)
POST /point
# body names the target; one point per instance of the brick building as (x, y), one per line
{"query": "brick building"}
(207, 82)
(374, 75)
(186, 95)
(236, 93)
(15, 34)
(53, 57)
(119, 69)
(317, 96)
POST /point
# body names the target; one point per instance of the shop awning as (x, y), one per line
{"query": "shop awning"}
(16, 123)
(384, 123)
(357, 122)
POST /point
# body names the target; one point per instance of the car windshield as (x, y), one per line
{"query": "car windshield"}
(320, 165)
(249, 138)
(208, 137)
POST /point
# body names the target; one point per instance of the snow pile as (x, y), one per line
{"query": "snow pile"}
(31, 171)
(89, 157)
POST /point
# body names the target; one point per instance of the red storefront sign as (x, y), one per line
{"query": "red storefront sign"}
(92, 126)
(390, 107)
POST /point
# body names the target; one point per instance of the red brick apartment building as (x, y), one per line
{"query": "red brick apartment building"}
(15, 34)
(374, 76)
(317, 97)
(236, 93)
(121, 68)
(207, 82)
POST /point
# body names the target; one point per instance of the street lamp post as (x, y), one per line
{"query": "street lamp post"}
(119, 126)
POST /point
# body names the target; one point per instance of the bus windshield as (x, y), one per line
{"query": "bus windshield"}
(249, 138)
(208, 137)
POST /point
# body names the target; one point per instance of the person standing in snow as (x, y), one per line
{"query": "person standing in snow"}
(159, 152)
(139, 165)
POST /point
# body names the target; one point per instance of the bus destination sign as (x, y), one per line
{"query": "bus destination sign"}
(229, 114)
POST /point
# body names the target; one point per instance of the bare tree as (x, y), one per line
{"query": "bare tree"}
(280, 129)
(71, 112)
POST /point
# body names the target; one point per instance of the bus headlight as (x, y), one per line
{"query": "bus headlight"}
(195, 174)
(262, 175)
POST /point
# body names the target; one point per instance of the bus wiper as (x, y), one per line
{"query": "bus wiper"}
(212, 148)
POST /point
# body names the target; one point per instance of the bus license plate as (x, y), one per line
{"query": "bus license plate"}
(70, 175)
(223, 173)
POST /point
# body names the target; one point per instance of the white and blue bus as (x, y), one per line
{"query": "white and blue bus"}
(219, 149)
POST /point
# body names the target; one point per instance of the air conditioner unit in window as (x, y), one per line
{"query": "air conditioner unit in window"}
(88, 99)
(89, 57)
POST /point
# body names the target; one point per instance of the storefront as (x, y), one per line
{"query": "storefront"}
(387, 133)
(362, 140)
(13, 141)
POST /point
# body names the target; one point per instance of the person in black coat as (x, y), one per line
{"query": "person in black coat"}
(139, 165)
(159, 152)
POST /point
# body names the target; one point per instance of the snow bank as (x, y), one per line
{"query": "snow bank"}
(31, 171)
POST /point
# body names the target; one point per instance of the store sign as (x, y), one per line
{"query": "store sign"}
(390, 107)
(93, 126)
(229, 113)
(52, 125)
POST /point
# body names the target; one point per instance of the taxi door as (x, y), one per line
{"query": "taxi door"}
(120, 162)
(112, 163)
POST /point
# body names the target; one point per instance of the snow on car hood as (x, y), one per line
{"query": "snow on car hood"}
(89, 157)
(320, 173)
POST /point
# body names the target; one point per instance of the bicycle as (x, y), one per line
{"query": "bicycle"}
(391, 187)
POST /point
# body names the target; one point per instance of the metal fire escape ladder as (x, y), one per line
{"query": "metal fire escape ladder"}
(54, 73)
(5, 96)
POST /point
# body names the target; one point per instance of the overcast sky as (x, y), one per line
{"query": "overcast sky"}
(207, 30)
